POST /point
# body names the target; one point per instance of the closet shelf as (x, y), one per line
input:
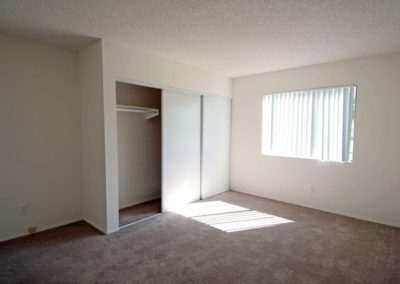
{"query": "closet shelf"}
(148, 112)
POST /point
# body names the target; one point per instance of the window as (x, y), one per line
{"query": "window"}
(311, 124)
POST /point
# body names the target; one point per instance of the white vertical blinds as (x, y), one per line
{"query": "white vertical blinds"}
(313, 124)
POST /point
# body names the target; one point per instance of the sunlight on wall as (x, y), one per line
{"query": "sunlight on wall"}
(229, 217)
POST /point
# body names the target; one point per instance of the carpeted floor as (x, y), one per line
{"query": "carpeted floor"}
(138, 212)
(316, 247)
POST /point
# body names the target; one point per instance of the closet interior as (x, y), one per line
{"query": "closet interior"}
(139, 152)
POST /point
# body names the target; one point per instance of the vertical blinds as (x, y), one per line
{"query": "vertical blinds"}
(313, 124)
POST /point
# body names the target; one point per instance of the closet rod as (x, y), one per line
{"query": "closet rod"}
(148, 112)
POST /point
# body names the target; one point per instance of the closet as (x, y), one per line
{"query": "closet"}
(173, 149)
(139, 152)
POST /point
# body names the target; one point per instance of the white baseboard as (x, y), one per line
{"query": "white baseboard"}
(93, 224)
(337, 212)
(214, 194)
(41, 229)
(113, 231)
(147, 199)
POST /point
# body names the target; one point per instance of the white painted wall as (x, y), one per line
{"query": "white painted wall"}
(366, 189)
(216, 130)
(181, 150)
(59, 150)
(92, 126)
(125, 63)
(139, 146)
(40, 163)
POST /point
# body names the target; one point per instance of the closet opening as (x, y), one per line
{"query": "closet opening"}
(139, 152)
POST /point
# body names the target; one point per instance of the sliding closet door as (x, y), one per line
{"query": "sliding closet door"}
(181, 131)
(216, 145)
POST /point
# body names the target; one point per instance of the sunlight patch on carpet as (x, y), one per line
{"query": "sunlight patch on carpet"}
(229, 217)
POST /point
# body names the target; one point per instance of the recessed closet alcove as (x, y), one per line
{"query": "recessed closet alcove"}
(139, 152)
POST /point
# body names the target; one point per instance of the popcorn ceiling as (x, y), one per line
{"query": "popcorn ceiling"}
(230, 37)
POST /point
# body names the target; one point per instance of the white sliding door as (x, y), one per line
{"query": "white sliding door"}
(181, 137)
(216, 145)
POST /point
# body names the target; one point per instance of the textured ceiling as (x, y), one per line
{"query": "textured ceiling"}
(231, 37)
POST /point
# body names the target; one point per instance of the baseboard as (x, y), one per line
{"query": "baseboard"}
(337, 212)
(41, 229)
(113, 231)
(141, 201)
(202, 197)
(93, 224)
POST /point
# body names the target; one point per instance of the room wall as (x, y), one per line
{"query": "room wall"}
(92, 126)
(216, 130)
(139, 146)
(124, 63)
(58, 152)
(40, 164)
(369, 187)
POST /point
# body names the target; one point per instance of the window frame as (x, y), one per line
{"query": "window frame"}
(351, 134)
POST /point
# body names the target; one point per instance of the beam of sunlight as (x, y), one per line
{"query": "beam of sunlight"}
(229, 217)
(208, 208)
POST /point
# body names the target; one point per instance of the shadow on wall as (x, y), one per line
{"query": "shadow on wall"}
(229, 217)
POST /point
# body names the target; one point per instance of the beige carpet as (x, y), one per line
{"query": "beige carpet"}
(314, 247)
